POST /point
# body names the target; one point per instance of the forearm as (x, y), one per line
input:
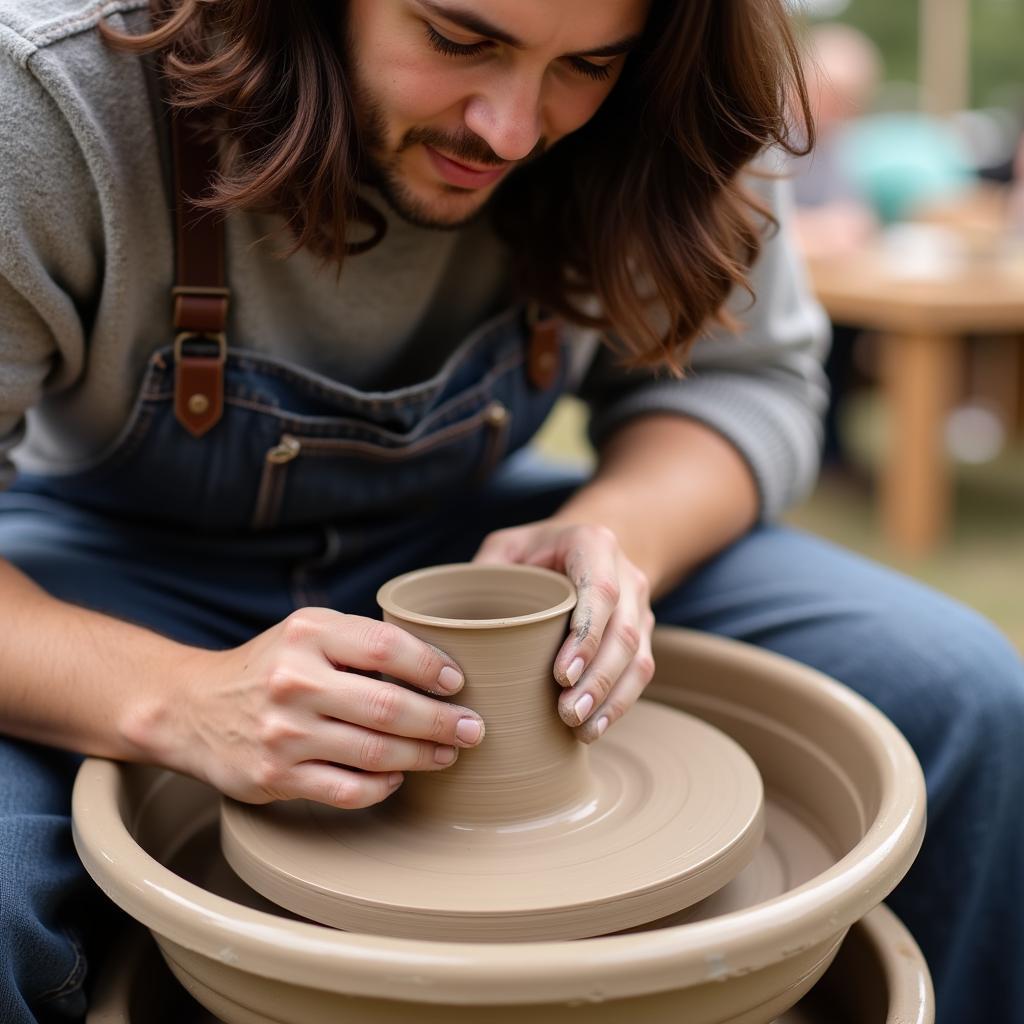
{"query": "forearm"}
(674, 492)
(76, 679)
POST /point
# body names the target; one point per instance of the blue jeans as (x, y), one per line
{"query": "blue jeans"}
(945, 676)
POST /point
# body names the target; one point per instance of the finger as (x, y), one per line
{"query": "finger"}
(389, 708)
(624, 694)
(339, 787)
(619, 646)
(355, 747)
(374, 646)
(592, 565)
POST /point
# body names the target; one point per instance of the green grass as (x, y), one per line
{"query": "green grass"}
(982, 562)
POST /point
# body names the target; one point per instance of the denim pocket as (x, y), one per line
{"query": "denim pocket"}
(307, 472)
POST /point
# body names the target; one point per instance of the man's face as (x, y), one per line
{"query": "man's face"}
(452, 94)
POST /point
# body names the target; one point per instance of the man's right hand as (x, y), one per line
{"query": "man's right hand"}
(293, 714)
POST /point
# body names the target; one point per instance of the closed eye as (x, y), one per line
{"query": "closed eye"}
(450, 48)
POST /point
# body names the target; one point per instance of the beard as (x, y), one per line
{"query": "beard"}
(381, 168)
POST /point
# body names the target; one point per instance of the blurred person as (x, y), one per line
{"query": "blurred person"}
(867, 170)
(833, 217)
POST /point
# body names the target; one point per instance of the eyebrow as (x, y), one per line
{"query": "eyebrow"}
(472, 22)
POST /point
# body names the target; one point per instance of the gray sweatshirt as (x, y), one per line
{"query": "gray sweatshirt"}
(87, 263)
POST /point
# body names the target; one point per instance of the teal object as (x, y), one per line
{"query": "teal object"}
(899, 162)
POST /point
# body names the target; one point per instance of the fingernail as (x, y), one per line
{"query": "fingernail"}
(469, 730)
(395, 779)
(583, 707)
(449, 679)
(574, 671)
(602, 724)
(445, 755)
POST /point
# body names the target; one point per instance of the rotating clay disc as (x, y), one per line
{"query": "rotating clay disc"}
(672, 812)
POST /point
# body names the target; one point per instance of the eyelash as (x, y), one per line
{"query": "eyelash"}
(448, 47)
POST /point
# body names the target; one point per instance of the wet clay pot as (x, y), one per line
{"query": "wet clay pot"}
(844, 803)
(532, 835)
(878, 977)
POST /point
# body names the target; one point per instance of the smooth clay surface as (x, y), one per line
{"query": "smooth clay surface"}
(837, 775)
(526, 837)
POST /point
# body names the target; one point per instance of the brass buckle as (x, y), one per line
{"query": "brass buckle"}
(216, 336)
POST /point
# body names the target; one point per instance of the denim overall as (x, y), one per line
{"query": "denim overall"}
(308, 491)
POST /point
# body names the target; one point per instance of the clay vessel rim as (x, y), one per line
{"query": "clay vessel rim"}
(501, 972)
(387, 602)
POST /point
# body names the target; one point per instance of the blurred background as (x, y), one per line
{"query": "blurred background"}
(911, 218)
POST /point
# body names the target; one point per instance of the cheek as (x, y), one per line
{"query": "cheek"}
(411, 89)
(419, 95)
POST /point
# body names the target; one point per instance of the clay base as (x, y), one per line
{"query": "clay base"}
(673, 813)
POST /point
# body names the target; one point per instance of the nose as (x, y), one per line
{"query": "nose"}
(508, 118)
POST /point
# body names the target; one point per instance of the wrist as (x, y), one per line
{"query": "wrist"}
(155, 725)
(603, 503)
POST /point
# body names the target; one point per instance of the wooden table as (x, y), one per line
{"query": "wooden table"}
(922, 323)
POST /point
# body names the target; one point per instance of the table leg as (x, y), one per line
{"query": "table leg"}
(919, 372)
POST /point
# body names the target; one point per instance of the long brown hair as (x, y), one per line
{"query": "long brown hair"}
(642, 208)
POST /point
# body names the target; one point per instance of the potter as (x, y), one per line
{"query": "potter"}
(425, 221)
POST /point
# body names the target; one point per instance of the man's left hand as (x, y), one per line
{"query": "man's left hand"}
(606, 661)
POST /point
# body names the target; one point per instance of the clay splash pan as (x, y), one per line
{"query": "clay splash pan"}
(844, 817)
(878, 977)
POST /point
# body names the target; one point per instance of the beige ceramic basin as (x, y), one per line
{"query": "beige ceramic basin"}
(837, 776)
(878, 977)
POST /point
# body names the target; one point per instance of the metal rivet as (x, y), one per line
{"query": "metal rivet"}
(496, 414)
(198, 404)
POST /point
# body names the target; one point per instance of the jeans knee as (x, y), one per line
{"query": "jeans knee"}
(973, 717)
(42, 964)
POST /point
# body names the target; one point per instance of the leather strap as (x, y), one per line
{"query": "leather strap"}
(200, 296)
(543, 356)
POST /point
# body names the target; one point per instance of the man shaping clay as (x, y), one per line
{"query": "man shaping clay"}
(440, 216)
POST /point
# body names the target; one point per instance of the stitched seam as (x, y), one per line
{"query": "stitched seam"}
(429, 390)
(423, 390)
(451, 433)
(298, 424)
(50, 32)
(74, 978)
(453, 405)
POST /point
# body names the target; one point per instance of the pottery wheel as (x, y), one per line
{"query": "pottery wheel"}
(673, 812)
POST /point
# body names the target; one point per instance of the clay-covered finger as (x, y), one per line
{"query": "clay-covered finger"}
(619, 646)
(355, 641)
(592, 565)
(370, 751)
(386, 707)
(623, 695)
(341, 787)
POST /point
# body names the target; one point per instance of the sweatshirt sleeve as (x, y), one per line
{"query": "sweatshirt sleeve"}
(762, 387)
(50, 242)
